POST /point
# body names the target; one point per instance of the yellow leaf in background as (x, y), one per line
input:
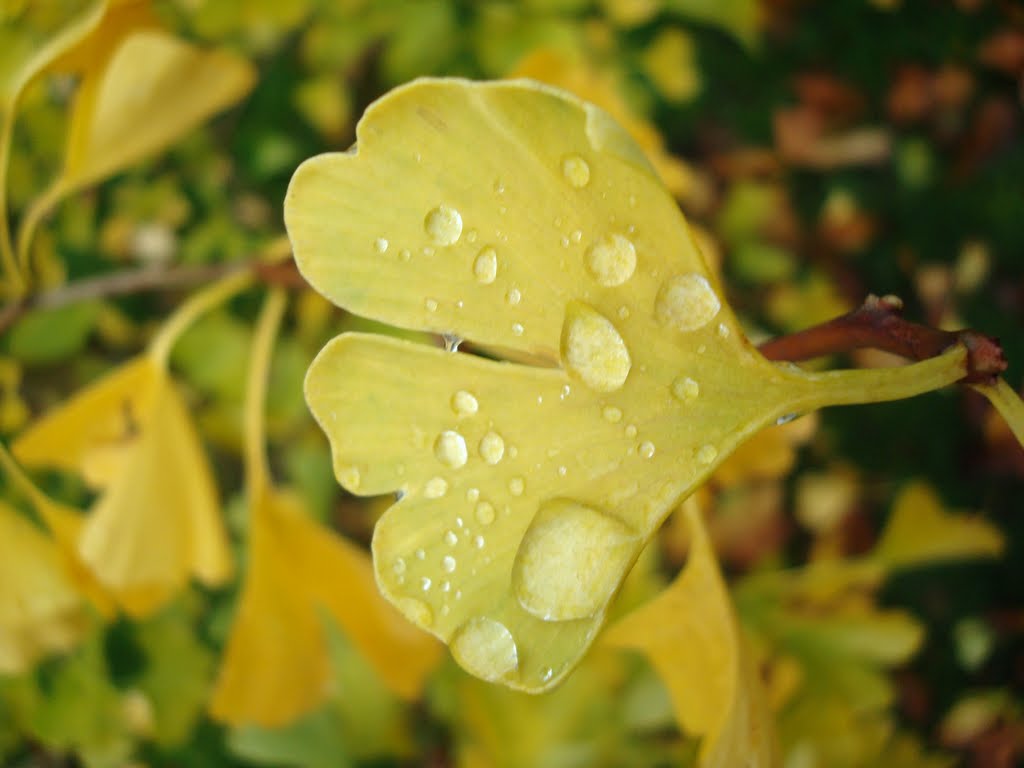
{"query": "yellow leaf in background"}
(276, 664)
(157, 518)
(769, 454)
(41, 611)
(119, 19)
(701, 656)
(671, 63)
(154, 90)
(921, 531)
(527, 492)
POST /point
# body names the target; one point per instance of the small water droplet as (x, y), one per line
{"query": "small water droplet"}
(464, 403)
(576, 235)
(612, 414)
(448, 564)
(451, 538)
(492, 447)
(517, 329)
(435, 488)
(472, 494)
(485, 266)
(425, 583)
(471, 236)
(499, 187)
(685, 389)
(446, 586)
(512, 451)
(349, 477)
(444, 225)
(576, 171)
(723, 330)
(611, 260)
(514, 296)
(647, 449)
(399, 566)
(485, 513)
(707, 454)
(623, 312)
(415, 610)
(631, 430)
(592, 349)
(450, 449)
(516, 486)
(563, 471)
(566, 391)
(431, 305)
(571, 561)
(380, 245)
(785, 419)
(405, 255)
(485, 648)
(451, 342)
(421, 554)
(546, 674)
(686, 302)
(479, 542)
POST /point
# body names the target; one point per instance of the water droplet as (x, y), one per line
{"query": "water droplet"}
(512, 451)
(485, 513)
(444, 225)
(435, 488)
(485, 648)
(380, 245)
(723, 330)
(517, 329)
(425, 583)
(451, 539)
(492, 447)
(472, 494)
(450, 449)
(631, 430)
(647, 449)
(451, 342)
(464, 403)
(563, 471)
(592, 349)
(686, 302)
(785, 419)
(446, 586)
(431, 305)
(566, 391)
(611, 260)
(415, 610)
(421, 554)
(707, 454)
(405, 255)
(514, 296)
(612, 414)
(576, 235)
(448, 564)
(571, 560)
(485, 266)
(349, 477)
(686, 389)
(479, 542)
(516, 486)
(399, 566)
(623, 312)
(546, 674)
(576, 170)
(471, 236)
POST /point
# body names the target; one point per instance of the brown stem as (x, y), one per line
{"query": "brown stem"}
(147, 279)
(879, 324)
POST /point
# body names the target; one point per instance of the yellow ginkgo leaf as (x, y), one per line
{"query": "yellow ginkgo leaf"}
(527, 492)
(41, 611)
(920, 530)
(701, 656)
(157, 518)
(276, 665)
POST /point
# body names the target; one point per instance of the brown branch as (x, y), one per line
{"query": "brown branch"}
(147, 279)
(878, 324)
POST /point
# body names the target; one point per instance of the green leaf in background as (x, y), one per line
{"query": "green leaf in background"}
(51, 335)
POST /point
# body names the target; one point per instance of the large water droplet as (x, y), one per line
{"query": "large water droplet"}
(686, 302)
(450, 449)
(485, 266)
(571, 561)
(576, 170)
(485, 648)
(464, 403)
(611, 260)
(592, 349)
(685, 389)
(435, 488)
(444, 225)
(492, 447)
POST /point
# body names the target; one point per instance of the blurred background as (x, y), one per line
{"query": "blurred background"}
(822, 151)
